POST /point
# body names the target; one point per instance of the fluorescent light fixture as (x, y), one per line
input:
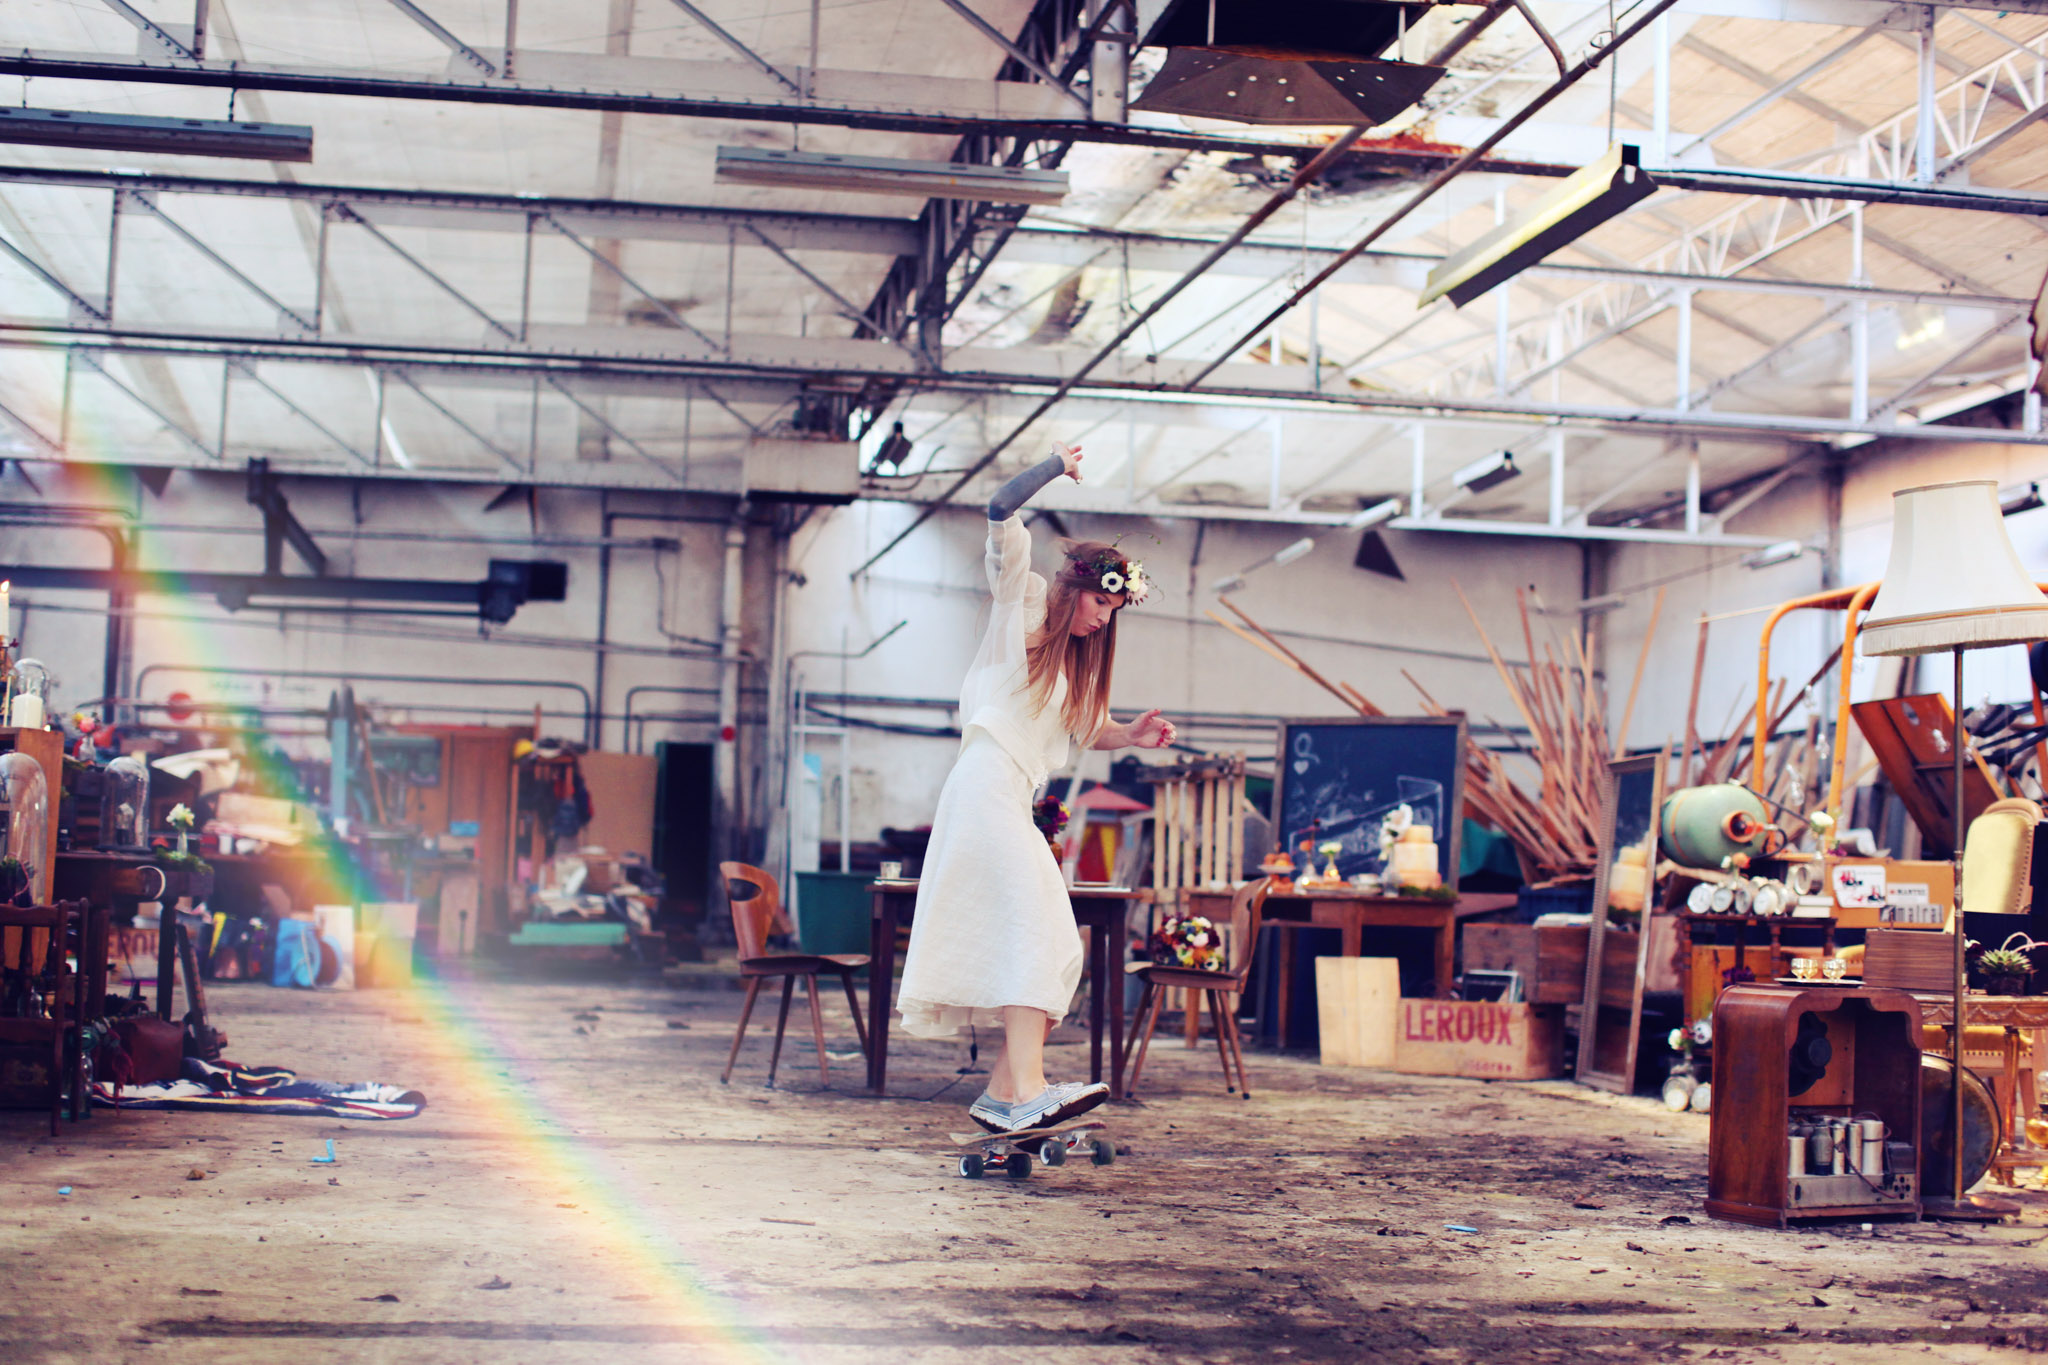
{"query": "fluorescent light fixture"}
(1286, 555)
(1783, 552)
(1578, 204)
(1295, 551)
(2021, 497)
(172, 136)
(1486, 472)
(889, 175)
(1374, 515)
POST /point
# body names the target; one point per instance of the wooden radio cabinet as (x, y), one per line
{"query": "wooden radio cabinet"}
(1866, 1066)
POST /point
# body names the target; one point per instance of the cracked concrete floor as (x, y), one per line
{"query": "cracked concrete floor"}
(581, 1187)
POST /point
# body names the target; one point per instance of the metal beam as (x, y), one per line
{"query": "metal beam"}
(93, 363)
(889, 102)
(149, 27)
(1786, 89)
(1016, 370)
(445, 38)
(746, 54)
(78, 301)
(145, 201)
(1017, 53)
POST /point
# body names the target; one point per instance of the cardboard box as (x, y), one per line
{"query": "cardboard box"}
(1480, 1039)
(1357, 1001)
(1859, 887)
(384, 937)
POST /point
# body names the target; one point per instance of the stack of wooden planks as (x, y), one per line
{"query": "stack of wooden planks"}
(1562, 705)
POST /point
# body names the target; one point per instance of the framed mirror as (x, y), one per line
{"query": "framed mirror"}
(1624, 886)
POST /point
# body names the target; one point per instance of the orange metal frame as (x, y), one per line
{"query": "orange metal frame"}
(1853, 601)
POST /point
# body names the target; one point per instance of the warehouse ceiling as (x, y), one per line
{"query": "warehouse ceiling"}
(520, 268)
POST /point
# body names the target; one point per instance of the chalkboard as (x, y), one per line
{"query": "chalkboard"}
(1334, 780)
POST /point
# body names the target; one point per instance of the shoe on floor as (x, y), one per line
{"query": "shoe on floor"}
(1053, 1105)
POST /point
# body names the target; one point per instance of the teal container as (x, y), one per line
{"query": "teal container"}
(1702, 825)
(833, 911)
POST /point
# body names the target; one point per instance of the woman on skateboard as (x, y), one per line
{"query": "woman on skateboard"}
(994, 941)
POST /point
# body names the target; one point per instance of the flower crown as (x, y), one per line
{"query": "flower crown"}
(1113, 573)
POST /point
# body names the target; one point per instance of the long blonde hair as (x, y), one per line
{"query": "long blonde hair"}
(1086, 660)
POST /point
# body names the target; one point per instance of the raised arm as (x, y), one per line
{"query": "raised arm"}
(1018, 491)
(1149, 731)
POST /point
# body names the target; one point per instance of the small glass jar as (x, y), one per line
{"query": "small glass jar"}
(28, 694)
(124, 804)
(24, 830)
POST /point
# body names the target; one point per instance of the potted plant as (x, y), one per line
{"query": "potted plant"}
(185, 872)
(2007, 968)
(15, 877)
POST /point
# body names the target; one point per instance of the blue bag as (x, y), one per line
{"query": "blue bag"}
(297, 962)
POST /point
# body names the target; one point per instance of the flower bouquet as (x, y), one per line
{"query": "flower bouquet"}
(1050, 814)
(1188, 941)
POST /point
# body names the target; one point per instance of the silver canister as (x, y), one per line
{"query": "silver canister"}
(1872, 1163)
(1852, 1157)
(1820, 1148)
(1796, 1150)
(1840, 1164)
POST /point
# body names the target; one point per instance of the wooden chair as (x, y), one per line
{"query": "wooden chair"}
(45, 999)
(753, 920)
(1220, 989)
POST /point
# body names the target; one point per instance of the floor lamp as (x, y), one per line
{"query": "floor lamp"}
(1954, 582)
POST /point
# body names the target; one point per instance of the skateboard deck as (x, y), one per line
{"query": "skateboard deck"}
(1014, 1152)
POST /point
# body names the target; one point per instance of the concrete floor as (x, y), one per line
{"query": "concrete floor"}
(582, 1188)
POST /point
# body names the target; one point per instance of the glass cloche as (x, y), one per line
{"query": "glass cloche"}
(124, 804)
(24, 830)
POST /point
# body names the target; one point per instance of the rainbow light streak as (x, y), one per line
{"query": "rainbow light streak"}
(632, 1246)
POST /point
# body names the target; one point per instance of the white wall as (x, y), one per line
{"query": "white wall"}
(388, 530)
(1349, 625)
(1714, 582)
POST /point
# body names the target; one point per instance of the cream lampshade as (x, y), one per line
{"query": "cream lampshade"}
(1954, 580)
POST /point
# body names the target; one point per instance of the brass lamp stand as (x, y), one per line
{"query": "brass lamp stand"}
(1954, 582)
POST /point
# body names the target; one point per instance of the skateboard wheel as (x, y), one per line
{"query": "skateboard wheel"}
(971, 1165)
(1018, 1164)
(1053, 1154)
(1104, 1151)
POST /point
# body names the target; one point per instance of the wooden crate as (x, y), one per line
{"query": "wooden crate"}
(1478, 1038)
(1910, 960)
(1357, 1006)
(1551, 958)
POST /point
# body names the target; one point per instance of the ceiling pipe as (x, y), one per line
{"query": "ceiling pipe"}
(1301, 180)
(1442, 178)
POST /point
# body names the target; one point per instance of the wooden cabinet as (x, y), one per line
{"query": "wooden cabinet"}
(1869, 1067)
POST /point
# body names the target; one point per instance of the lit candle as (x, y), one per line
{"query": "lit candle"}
(5, 618)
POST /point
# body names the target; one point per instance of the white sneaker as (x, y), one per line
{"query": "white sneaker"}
(1053, 1105)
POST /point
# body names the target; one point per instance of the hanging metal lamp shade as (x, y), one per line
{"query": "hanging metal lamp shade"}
(1954, 580)
(1279, 87)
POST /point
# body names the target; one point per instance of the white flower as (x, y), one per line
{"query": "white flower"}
(1112, 581)
(1137, 588)
(180, 817)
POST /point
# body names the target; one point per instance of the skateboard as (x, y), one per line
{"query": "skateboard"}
(1012, 1152)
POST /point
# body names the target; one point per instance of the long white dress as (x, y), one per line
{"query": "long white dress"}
(994, 926)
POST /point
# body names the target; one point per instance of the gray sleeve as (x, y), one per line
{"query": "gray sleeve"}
(1018, 491)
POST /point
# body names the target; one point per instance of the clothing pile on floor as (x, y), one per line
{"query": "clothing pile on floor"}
(263, 1090)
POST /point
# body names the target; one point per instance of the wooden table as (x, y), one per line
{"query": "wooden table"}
(1352, 914)
(2013, 1013)
(1100, 910)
